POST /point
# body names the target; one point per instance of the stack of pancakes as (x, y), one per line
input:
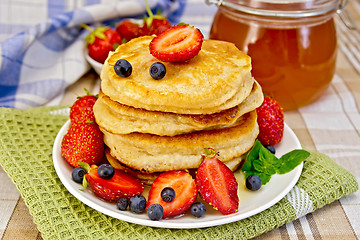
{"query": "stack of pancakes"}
(151, 126)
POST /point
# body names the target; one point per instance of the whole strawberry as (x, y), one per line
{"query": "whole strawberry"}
(129, 30)
(154, 24)
(270, 118)
(83, 142)
(82, 109)
(101, 41)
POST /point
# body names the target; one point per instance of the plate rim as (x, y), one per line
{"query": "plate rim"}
(164, 223)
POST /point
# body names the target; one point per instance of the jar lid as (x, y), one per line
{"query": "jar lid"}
(283, 8)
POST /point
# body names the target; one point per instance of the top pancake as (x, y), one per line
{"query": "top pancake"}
(218, 78)
(121, 119)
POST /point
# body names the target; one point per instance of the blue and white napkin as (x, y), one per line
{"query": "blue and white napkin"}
(45, 57)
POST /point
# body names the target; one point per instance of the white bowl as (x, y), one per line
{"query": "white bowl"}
(94, 64)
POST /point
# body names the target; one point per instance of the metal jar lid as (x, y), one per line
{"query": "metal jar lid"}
(290, 8)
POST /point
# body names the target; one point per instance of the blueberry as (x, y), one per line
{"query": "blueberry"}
(253, 182)
(137, 204)
(78, 174)
(271, 148)
(157, 70)
(122, 203)
(123, 68)
(198, 209)
(168, 194)
(106, 171)
(155, 212)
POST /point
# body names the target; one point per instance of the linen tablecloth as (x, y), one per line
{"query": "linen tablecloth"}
(331, 126)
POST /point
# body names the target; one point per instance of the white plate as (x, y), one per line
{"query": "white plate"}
(251, 203)
(94, 64)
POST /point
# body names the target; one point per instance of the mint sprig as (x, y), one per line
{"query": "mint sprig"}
(263, 163)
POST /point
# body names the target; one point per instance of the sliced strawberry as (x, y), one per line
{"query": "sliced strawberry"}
(217, 185)
(120, 185)
(83, 142)
(185, 192)
(129, 30)
(177, 44)
(270, 118)
(82, 109)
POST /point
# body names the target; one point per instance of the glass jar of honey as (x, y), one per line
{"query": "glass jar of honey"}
(292, 44)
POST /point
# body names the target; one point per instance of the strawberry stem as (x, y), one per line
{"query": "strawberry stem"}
(86, 27)
(85, 166)
(87, 92)
(148, 20)
(210, 152)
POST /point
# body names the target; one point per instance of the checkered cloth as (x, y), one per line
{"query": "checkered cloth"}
(46, 54)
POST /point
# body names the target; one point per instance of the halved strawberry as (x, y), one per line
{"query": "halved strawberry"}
(177, 44)
(270, 118)
(185, 192)
(120, 185)
(82, 109)
(217, 184)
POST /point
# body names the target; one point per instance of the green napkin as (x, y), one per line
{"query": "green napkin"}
(26, 144)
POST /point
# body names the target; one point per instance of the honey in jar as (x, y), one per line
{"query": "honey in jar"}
(292, 45)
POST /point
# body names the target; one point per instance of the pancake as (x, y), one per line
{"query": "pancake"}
(148, 178)
(117, 118)
(152, 153)
(218, 78)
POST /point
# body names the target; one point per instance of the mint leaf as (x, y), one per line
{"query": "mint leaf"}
(264, 167)
(258, 165)
(291, 160)
(263, 163)
(252, 155)
(247, 166)
(265, 178)
(267, 156)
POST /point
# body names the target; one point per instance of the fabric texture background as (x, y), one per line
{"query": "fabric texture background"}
(25, 154)
(38, 63)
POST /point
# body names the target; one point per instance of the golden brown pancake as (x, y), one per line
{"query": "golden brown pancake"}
(153, 153)
(121, 119)
(218, 78)
(148, 178)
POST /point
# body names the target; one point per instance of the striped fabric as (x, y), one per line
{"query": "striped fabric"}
(331, 126)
